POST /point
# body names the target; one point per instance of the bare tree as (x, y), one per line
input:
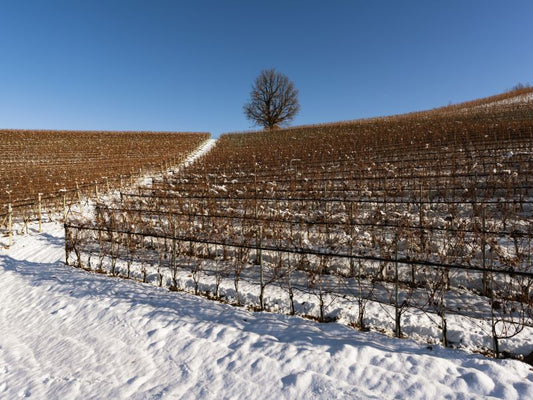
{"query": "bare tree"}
(273, 100)
(520, 86)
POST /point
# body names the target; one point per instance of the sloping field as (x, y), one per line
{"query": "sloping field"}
(68, 164)
(427, 215)
(416, 225)
(435, 134)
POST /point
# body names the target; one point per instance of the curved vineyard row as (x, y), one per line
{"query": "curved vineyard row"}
(423, 211)
(49, 170)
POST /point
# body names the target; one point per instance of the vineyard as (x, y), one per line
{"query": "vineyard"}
(46, 171)
(423, 215)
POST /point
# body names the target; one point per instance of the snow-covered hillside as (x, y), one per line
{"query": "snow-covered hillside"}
(66, 333)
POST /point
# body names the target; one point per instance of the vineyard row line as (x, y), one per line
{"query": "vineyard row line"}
(297, 222)
(298, 250)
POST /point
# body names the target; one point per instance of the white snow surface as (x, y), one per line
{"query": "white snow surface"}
(202, 150)
(195, 155)
(522, 98)
(67, 334)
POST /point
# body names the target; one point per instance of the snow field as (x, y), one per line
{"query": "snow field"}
(66, 333)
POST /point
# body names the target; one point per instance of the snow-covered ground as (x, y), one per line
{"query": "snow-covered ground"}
(66, 333)
(202, 149)
(522, 98)
(195, 155)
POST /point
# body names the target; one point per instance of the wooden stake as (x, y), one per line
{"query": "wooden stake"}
(10, 224)
(484, 283)
(397, 325)
(64, 207)
(40, 212)
(78, 192)
(259, 254)
(67, 241)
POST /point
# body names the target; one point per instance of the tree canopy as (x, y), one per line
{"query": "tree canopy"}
(273, 100)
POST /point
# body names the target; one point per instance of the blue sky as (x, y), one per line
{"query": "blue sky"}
(171, 65)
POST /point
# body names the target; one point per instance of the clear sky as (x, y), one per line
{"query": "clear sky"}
(189, 65)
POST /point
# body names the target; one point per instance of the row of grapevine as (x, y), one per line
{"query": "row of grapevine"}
(424, 212)
(50, 170)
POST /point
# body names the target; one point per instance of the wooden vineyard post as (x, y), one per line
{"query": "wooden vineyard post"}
(493, 320)
(25, 218)
(484, 283)
(397, 325)
(10, 224)
(173, 259)
(443, 320)
(40, 212)
(96, 189)
(261, 271)
(78, 191)
(67, 243)
(189, 230)
(64, 205)
(352, 225)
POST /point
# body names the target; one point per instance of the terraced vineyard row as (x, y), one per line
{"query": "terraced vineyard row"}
(427, 211)
(48, 170)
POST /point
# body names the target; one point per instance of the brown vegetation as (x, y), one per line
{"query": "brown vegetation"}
(409, 211)
(56, 162)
